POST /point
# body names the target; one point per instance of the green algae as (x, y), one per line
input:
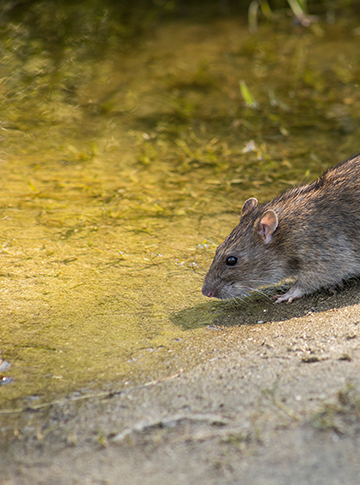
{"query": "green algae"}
(114, 198)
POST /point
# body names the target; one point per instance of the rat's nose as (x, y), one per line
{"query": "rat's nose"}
(207, 292)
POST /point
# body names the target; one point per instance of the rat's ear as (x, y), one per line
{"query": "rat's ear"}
(267, 226)
(248, 206)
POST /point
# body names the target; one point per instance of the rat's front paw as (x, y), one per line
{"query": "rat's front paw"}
(289, 296)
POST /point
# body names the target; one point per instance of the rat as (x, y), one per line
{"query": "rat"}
(311, 232)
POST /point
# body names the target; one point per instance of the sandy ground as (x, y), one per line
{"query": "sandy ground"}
(278, 403)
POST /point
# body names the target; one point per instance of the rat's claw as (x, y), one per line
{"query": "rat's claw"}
(289, 296)
(280, 298)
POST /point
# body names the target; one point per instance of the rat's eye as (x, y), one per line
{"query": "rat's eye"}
(231, 261)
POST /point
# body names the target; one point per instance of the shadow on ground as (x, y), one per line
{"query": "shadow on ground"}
(260, 308)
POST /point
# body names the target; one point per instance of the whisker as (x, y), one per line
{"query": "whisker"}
(262, 293)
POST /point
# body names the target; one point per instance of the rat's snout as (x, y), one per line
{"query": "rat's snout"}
(207, 291)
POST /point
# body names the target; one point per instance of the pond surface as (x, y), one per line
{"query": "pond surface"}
(120, 175)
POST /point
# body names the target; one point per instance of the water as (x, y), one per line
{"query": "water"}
(122, 172)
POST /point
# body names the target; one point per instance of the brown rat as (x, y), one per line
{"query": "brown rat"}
(311, 232)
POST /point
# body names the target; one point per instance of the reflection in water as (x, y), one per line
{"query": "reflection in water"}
(122, 170)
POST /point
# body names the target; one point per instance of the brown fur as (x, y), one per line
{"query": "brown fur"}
(311, 232)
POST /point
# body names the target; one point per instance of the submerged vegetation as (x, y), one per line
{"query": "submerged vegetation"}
(128, 147)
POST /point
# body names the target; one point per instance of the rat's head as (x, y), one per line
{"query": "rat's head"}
(246, 259)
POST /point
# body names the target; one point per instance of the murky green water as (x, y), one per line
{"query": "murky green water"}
(120, 175)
